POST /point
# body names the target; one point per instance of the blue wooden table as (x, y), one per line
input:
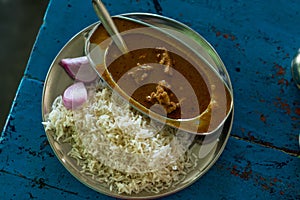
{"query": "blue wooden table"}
(256, 40)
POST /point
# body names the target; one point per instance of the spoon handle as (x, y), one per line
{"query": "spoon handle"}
(109, 25)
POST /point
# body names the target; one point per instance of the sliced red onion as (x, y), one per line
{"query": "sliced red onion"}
(79, 69)
(75, 95)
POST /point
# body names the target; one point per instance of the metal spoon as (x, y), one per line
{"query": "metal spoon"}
(295, 68)
(109, 25)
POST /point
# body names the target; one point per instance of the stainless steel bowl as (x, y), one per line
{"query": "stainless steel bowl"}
(184, 39)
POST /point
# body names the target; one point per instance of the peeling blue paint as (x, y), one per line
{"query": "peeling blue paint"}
(256, 41)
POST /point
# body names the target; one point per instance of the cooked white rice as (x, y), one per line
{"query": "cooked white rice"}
(119, 146)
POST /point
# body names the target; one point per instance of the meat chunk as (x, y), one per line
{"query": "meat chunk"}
(165, 59)
(140, 73)
(162, 97)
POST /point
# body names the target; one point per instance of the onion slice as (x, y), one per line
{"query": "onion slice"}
(79, 69)
(75, 95)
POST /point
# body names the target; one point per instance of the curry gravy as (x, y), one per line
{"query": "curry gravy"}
(188, 80)
(193, 94)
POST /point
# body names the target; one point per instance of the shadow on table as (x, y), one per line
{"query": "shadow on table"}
(20, 21)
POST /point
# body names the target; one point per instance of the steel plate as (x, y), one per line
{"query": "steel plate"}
(207, 148)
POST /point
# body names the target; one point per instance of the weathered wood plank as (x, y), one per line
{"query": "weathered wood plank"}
(256, 41)
(245, 170)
